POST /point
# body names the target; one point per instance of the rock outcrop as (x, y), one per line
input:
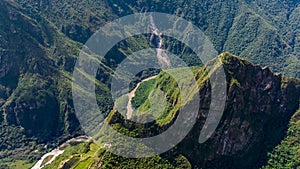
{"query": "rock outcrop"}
(258, 109)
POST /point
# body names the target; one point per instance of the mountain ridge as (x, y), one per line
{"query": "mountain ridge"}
(38, 51)
(220, 21)
(245, 134)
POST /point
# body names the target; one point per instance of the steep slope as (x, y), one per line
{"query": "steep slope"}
(258, 110)
(37, 57)
(36, 62)
(258, 102)
(265, 33)
(36, 65)
(286, 154)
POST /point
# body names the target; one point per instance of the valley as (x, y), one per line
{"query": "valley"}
(258, 45)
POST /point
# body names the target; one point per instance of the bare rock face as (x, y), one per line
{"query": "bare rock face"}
(258, 108)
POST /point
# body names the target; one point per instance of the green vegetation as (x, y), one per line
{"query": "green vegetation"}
(287, 153)
(89, 155)
(234, 82)
(236, 69)
(256, 30)
(75, 155)
(19, 164)
(47, 159)
(142, 93)
(40, 41)
(14, 144)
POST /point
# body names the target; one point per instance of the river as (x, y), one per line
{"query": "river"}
(163, 60)
(58, 151)
(132, 94)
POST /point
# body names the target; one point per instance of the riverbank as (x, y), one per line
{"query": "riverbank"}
(132, 94)
(50, 157)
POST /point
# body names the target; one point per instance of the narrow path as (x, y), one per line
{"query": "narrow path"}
(132, 94)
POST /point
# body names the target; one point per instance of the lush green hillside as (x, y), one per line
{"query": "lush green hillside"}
(90, 155)
(36, 67)
(287, 153)
(265, 33)
(246, 128)
(40, 41)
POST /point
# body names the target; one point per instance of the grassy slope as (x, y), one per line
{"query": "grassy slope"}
(87, 155)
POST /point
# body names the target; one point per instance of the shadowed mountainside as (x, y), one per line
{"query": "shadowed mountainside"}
(40, 41)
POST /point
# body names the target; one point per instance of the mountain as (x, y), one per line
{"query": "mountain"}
(40, 41)
(265, 33)
(258, 102)
(35, 83)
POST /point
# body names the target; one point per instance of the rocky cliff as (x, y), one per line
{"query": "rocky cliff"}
(258, 109)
